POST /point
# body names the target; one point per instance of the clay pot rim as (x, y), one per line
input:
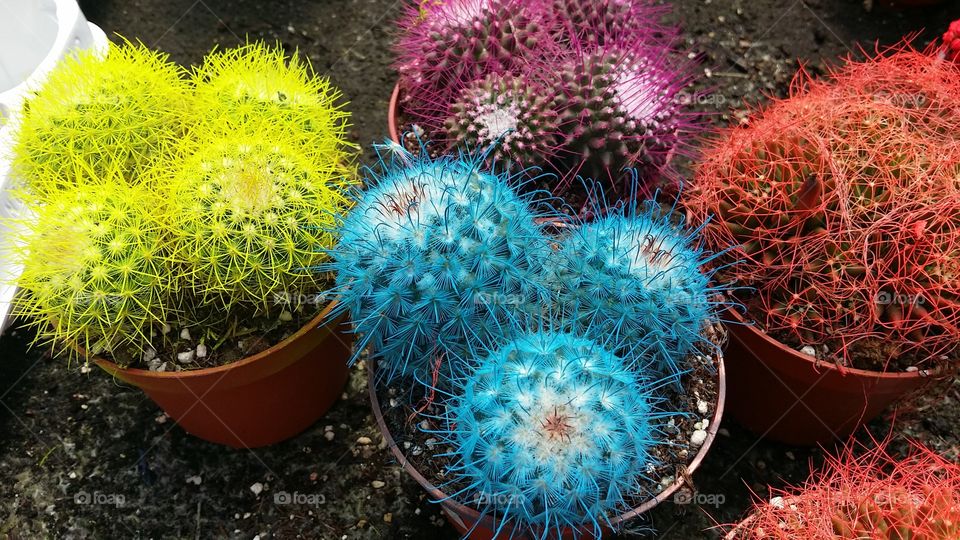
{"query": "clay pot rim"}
(741, 322)
(475, 515)
(206, 372)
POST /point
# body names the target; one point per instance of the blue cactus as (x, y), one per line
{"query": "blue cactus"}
(434, 258)
(636, 278)
(551, 430)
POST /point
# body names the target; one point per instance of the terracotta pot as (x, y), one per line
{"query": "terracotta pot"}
(468, 520)
(392, 108)
(259, 400)
(790, 397)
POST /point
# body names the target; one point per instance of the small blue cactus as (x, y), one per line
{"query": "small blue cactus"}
(635, 278)
(551, 430)
(434, 258)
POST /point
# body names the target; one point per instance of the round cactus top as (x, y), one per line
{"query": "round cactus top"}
(552, 429)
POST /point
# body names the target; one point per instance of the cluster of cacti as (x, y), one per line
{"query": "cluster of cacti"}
(434, 258)
(584, 89)
(201, 199)
(871, 496)
(96, 267)
(634, 277)
(96, 115)
(551, 430)
(842, 202)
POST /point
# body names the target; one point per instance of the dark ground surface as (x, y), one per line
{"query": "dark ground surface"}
(83, 457)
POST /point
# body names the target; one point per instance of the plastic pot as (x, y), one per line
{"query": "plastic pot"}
(483, 527)
(259, 400)
(788, 396)
(34, 36)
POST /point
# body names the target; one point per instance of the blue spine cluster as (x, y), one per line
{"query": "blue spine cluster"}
(551, 430)
(435, 257)
(635, 279)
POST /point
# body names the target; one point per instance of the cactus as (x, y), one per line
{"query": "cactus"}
(549, 430)
(951, 42)
(873, 496)
(96, 115)
(447, 43)
(842, 203)
(253, 213)
(435, 256)
(634, 276)
(96, 268)
(607, 22)
(511, 118)
(621, 109)
(255, 82)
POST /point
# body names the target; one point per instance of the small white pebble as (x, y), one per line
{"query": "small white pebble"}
(329, 435)
(406, 445)
(185, 357)
(72, 475)
(377, 484)
(808, 350)
(257, 488)
(85, 368)
(161, 418)
(166, 329)
(698, 425)
(790, 456)
(185, 334)
(149, 354)
(364, 441)
(702, 406)
(286, 316)
(201, 351)
(697, 437)
(195, 480)
(705, 423)
(777, 502)
(911, 369)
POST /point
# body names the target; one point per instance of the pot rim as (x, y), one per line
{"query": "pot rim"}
(392, 114)
(475, 515)
(205, 372)
(741, 323)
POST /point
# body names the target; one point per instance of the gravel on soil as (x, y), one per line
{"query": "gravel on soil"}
(83, 456)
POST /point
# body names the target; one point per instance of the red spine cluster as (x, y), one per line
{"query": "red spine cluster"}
(843, 202)
(871, 496)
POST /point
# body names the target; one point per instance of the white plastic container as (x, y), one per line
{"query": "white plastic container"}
(34, 36)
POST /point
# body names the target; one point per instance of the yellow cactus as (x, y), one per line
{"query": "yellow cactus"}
(255, 82)
(96, 268)
(95, 115)
(253, 214)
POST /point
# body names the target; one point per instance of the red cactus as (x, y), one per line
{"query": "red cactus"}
(872, 496)
(951, 42)
(843, 202)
